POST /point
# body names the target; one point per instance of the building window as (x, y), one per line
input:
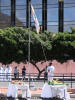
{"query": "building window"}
(69, 14)
(52, 15)
(5, 13)
(20, 12)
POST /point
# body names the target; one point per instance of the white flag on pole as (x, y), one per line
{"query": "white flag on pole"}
(35, 20)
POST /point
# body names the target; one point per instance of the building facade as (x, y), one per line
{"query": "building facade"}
(53, 15)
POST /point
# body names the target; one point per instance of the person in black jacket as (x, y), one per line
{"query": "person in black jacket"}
(23, 73)
(45, 73)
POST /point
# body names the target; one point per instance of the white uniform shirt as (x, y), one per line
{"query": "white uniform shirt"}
(9, 69)
(50, 69)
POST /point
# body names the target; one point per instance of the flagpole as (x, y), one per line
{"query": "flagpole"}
(29, 44)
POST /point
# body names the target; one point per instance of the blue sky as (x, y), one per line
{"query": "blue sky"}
(69, 13)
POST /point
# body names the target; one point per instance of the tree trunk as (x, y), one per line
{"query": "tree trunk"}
(37, 67)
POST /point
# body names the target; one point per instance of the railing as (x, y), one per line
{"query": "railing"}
(65, 78)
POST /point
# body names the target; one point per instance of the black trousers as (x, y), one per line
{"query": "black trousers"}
(15, 75)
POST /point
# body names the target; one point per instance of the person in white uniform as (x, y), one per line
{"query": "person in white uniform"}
(3, 73)
(50, 71)
(0, 72)
(8, 73)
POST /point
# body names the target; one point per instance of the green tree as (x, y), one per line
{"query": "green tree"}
(14, 46)
(64, 46)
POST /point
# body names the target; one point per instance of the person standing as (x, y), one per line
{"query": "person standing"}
(15, 72)
(18, 74)
(4, 72)
(45, 73)
(50, 71)
(23, 73)
(1, 73)
(8, 73)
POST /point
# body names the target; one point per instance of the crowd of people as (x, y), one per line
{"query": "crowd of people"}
(6, 73)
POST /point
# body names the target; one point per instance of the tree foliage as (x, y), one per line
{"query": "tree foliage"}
(14, 44)
(44, 46)
(64, 46)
